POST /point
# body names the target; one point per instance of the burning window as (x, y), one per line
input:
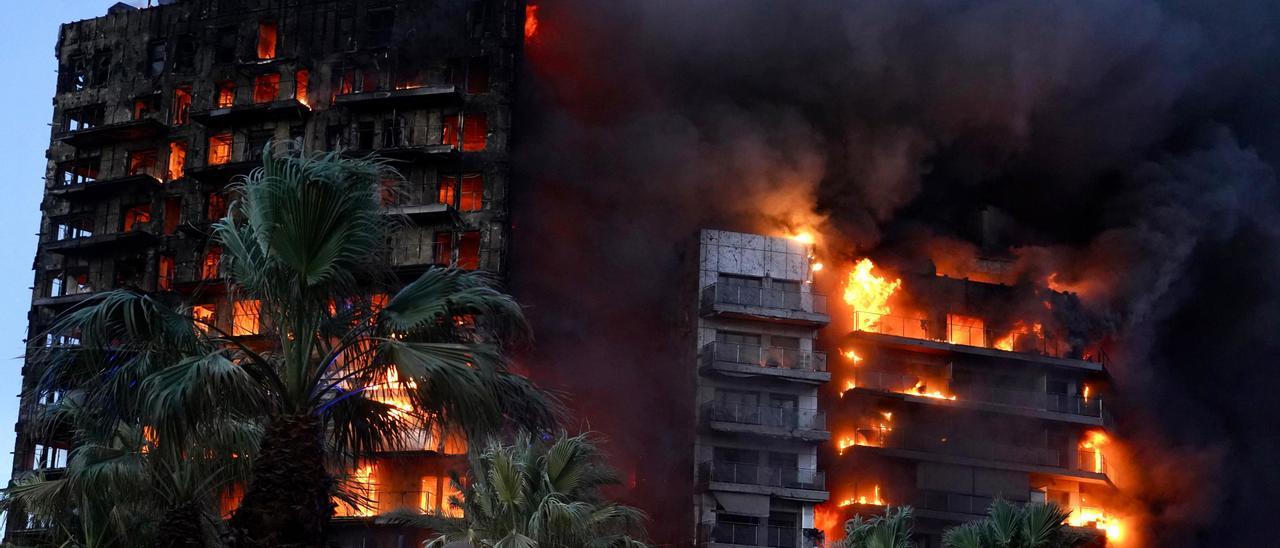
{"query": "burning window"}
(177, 160)
(363, 485)
(301, 86)
(220, 148)
(144, 107)
(229, 500)
(266, 88)
(347, 82)
(211, 262)
(216, 207)
(204, 315)
(143, 162)
(181, 105)
(407, 78)
(471, 129)
(244, 318)
(136, 215)
(442, 249)
(164, 273)
(469, 250)
(966, 330)
(437, 492)
(172, 214)
(465, 192)
(226, 94)
(268, 35)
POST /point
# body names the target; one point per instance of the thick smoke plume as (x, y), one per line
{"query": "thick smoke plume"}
(1128, 148)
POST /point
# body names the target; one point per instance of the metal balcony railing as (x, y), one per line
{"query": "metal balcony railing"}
(780, 417)
(766, 297)
(952, 502)
(769, 357)
(749, 534)
(967, 335)
(950, 445)
(1026, 399)
(767, 476)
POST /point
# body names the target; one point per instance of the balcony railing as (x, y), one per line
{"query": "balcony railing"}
(769, 357)
(950, 445)
(766, 476)
(1026, 399)
(967, 335)
(952, 502)
(780, 417)
(767, 297)
(748, 534)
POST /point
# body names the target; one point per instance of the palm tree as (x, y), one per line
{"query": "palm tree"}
(892, 530)
(300, 243)
(1006, 526)
(530, 494)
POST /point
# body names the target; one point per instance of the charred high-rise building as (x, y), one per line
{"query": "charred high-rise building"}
(158, 109)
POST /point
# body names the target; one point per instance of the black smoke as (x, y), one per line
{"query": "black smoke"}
(1129, 147)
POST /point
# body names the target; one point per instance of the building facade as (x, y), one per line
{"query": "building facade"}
(960, 401)
(759, 426)
(158, 109)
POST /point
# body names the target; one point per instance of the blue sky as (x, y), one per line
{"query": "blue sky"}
(27, 38)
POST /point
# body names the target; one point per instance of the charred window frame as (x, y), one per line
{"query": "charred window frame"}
(184, 54)
(378, 27)
(266, 88)
(471, 75)
(462, 191)
(395, 131)
(78, 172)
(75, 73)
(227, 44)
(134, 215)
(71, 228)
(181, 105)
(268, 45)
(255, 143)
(225, 95)
(101, 71)
(365, 134)
(157, 58)
(346, 32)
(80, 119)
(144, 162)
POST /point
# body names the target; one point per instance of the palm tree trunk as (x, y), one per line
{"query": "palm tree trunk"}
(287, 504)
(181, 527)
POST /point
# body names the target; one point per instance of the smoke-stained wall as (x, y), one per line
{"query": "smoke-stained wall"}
(1127, 147)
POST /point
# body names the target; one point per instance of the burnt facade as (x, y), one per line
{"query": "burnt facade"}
(158, 109)
(965, 396)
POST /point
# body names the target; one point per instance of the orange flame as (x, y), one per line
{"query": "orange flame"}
(1093, 443)
(1021, 328)
(851, 356)
(530, 21)
(862, 499)
(867, 292)
(1085, 517)
(920, 389)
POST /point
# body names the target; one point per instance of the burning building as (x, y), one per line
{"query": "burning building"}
(158, 109)
(946, 397)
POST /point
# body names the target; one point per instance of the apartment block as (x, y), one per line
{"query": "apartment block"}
(158, 109)
(966, 396)
(759, 426)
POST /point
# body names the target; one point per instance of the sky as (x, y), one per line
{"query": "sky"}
(28, 64)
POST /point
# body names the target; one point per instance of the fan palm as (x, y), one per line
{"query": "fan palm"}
(300, 243)
(892, 530)
(1007, 526)
(531, 494)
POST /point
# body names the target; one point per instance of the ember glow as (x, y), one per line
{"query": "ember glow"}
(921, 389)
(869, 293)
(1010, 340)
(1099, 519)
(1092, 444)
(863, 499)
(530, 21)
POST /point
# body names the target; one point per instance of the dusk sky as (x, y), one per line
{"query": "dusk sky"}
(27, 37)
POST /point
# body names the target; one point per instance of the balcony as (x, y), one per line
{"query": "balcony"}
(222, 173)
(106, 187)
(987, 398)
(803, 484)
(804, 424)
(748, 534)
(804, 366)
(901, 443)
(950, 504)
(101, 244)
(1020, 343)
(281, 109)
(763, 303)
(400, 142)
(398, 98)
(132, 130)
(426, 212)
